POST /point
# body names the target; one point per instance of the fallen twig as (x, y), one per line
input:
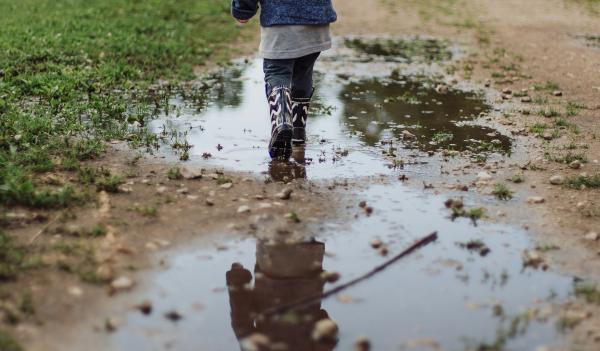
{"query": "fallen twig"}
(319, 296)
(46, 226)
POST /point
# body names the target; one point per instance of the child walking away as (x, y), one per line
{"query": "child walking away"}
(294, 32)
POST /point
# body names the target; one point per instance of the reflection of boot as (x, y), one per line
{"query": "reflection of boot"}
(299, 115)
(241, 300)
(280, 102)
(298, 155)
(284, 274)
(286, 171)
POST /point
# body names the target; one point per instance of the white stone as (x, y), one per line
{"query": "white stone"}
(575, 164)
(285, 193)
(254, 342)
(243, 209)
(483, 176)
(191, 172)
(557, 179)
(122, 283)
(227, 185)
(592, 236)
(75, 291)
(407, 135)
(534, 200)
(325, 330)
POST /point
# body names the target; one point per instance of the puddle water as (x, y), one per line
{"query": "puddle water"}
(590, 40)
(442, 295)
(350, 112)
(400, 50)
(441, 292)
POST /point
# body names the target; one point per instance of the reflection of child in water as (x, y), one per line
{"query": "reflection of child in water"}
(294, 32)
(283, 273)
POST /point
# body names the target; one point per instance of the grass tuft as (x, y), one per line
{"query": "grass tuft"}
(174, 173)
(474, 214)
(502, 191)
(518, 178)
(576, 182)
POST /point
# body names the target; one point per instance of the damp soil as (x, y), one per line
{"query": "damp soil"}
(441, 296)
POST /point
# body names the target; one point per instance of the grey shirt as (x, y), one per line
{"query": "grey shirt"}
(293, 40)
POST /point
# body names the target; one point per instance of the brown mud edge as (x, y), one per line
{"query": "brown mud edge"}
(319, 296)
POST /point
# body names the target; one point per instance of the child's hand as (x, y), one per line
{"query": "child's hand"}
(243, 21)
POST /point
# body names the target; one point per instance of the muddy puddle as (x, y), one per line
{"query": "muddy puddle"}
(443, 296)
(355, 118)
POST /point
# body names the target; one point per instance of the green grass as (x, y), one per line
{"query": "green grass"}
(540, 99)
(26, 305)
(561, 122)
(576, 182)
(572, 108)
(546, 247)
(502, 192)
(475, 245)
(588, 291)
(568, 158)
(150, 211)
(294, 216)
(98, 230)
(223, 180)
(7, 343)
(174, 173)
(518, 178)
(551, 85)
(442, 136)
(109, 184)
(474, 214)
(64, 65)
(11, 257)
(538, 128)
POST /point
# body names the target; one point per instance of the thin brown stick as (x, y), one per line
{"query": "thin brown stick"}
(319, 296)
(46, 226)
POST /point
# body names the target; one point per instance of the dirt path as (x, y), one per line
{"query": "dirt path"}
(534, 39)
(537, 39)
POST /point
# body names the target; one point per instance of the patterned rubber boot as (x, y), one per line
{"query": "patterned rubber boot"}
(299, 115)
(282, 130)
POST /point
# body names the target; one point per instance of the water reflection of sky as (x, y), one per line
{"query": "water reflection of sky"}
(429, 294)
(348, 113)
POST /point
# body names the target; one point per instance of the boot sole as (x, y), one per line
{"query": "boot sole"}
(281, 144)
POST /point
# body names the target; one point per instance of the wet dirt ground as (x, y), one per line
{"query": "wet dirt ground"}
(444, 296)
(440, 297)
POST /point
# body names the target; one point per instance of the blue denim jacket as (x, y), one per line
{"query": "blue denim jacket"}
(285, 11)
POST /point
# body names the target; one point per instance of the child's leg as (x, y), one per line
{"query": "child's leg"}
(278, 73)
(302, 89)
(302, 78)
(278, 79)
